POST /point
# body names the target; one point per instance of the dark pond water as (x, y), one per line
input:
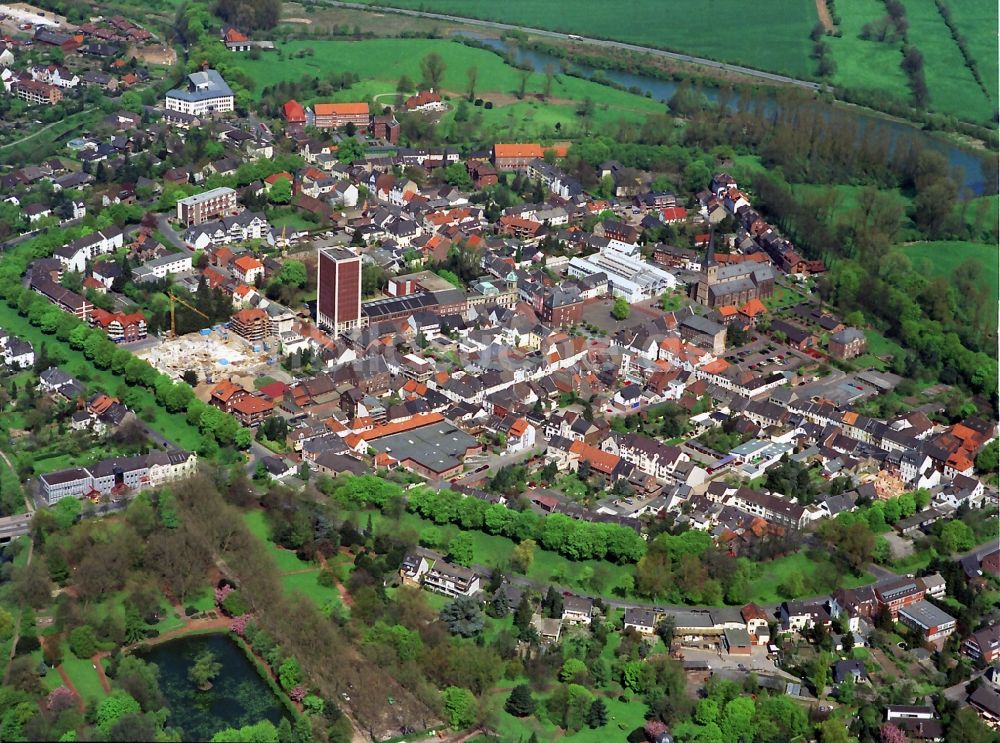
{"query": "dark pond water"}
(967, 164)
(238, 697)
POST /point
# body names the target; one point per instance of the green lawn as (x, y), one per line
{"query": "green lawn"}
(623, 718)
(879, 345)
(173, 426)
(297, 575)
(81, 672)
(764, 588)
(775, 36)
(943, 257)
(379, 63)
(572, 486)
(547, 567)
(952, 86)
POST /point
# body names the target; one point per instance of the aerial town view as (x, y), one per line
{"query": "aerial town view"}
(530, 371)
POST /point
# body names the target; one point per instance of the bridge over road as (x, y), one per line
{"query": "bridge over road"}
(14, 526)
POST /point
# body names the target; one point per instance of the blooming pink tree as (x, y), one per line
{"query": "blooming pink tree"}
(221, 592)
(60, 699)
(892, 734)
(654, 729)
(239, 624)
(297, 694)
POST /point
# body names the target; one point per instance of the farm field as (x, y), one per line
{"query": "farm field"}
(866, 65)
(952, 88)
(943, 257)
(977, 22)
(783, 45)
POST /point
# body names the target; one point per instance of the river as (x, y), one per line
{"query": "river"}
(967, 163)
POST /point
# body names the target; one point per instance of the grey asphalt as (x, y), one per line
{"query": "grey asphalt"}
(675, 56)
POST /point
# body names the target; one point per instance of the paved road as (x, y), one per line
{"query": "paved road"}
(14, 526)
(675, 56)
(163, 224)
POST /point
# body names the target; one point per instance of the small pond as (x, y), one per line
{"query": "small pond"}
(238, 697)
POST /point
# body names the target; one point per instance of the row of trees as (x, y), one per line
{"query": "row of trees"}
(174, 397)
(572, 538)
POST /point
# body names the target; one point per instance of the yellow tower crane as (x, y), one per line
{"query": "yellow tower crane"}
(173, 318)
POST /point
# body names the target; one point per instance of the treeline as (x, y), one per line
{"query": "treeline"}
(574, 539)
(217, 428)
(250, 15)
(571, 538)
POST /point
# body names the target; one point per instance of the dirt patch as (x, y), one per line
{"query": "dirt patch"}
(307, 22)
(824, 15)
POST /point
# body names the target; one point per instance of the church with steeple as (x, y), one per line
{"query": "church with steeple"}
(731, 282)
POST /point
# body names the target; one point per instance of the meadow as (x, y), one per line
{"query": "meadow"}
(777, 39)
(717, 30)
(379, 63)
(941, 258)
(952, 87)
(865, 65)
(977, 22)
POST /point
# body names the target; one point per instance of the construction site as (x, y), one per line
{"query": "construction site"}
(213, 354)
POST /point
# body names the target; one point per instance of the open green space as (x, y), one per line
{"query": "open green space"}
(84, 677)
(977, 22)
(879, 345)
(173, 426)
(379, 63)
(941, 258)
(764, 589)
(952, 87)
(296, 575)
(862, 64)
(777, 39)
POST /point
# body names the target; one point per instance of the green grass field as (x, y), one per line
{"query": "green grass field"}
(381, 62)
(879, 345)
(865, 65)
(977, 22)
(764, 588)
(952, 87)
(943, 257)
(716, 31)
(81, 672)
(296, 575)
(777, 39)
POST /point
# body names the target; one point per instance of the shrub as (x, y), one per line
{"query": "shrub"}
(83, 641)
(234, 604)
